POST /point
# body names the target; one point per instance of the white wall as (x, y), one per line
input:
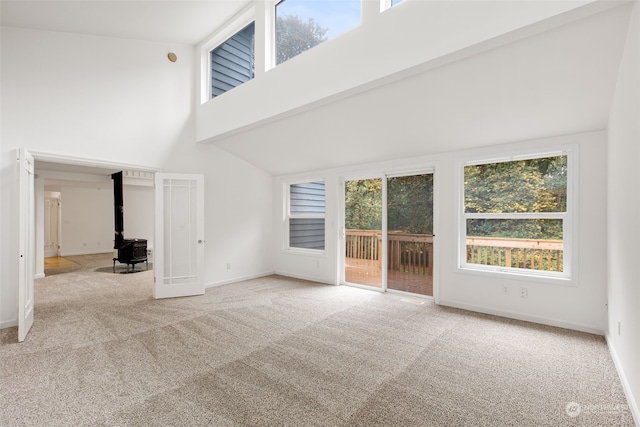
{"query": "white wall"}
(238, 213)
(87, 220)
(427, 30)
(138, 213)
(580, 307)
(623, 227)
(88, 223)
(122, 101)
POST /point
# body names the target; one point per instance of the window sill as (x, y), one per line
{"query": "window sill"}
(316, 253)
(522, 276)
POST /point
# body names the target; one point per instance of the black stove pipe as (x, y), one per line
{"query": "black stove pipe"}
(118, 212)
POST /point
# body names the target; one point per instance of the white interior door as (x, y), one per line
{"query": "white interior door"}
(51, 226)
(179, 235)
(26, 227)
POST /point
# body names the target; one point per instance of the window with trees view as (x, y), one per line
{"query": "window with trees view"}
(303, 24)
(306, 215)
(232, 62)
(516, 216)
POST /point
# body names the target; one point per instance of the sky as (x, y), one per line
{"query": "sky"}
(336, 15)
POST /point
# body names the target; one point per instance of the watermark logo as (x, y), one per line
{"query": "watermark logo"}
(573, 409)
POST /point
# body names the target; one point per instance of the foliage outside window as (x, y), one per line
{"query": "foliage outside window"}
(363, 204)
(306, 215)
(409, 204)
(516, 215)
(233, 62)
(303, 24)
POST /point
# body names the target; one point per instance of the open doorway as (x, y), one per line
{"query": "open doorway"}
(78, 213)
(177, 221)
(52, 225)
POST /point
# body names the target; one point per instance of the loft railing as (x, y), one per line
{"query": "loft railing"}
(413, 253)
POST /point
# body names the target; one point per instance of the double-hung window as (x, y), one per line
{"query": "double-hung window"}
(517, 215)
(306, 215)
(232, 62)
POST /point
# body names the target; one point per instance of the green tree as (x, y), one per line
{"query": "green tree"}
(535, 185)
(410, 204)
(294, 36)
(363, 204)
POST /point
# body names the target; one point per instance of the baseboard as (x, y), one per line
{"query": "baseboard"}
(301, 277)
(39, 276)
(525, 317)
(633, 407)
(8, 323)
(85, 253)
(238, 279)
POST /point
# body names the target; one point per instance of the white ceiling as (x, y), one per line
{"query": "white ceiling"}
(557, 82)
(554, 83)
(177, 21)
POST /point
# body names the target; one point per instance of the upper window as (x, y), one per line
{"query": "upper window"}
(516, 216)
(306, 215)
(303, 24)
(232, 62)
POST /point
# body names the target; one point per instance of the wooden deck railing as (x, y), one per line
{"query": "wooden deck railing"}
(519, 253)
(413, 253)
(410, 253)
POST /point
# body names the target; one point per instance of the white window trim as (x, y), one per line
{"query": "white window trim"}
(570, 229)
(288, 216)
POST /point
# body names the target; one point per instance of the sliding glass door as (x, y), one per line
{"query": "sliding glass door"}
(410, 233)
(388, 233)
(363, 232)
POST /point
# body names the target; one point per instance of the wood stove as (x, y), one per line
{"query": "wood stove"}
(125, 251)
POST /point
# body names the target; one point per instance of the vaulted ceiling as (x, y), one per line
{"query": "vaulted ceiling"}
(171, 21)
(554, 83)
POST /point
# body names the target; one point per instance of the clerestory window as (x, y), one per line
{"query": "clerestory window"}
(232, 62)
(303, 24)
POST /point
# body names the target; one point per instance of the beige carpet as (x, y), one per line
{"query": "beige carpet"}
(282, 352)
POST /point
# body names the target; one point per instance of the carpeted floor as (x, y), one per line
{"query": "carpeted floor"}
(277, 351)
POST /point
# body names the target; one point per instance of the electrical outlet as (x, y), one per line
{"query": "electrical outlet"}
(524, 292)
(228, 266)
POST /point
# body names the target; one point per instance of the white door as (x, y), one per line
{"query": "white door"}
(179, 235)
(51, 226)
(26, 227)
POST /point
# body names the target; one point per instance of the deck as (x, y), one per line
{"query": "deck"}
(367, 272)
(410, 257)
